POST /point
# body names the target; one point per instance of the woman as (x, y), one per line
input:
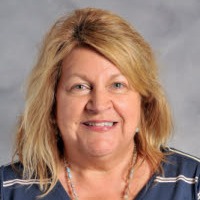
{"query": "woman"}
(96, 120)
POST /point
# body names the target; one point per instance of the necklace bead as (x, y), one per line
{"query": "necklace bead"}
(125, 197)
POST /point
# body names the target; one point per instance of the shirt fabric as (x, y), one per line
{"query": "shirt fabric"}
(180, 180)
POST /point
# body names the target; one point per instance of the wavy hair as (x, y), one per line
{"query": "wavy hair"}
(38, 146)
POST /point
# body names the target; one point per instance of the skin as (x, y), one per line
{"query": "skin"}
(93, 90)
(97, 114)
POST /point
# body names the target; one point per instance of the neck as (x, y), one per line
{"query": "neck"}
(108, 174)
(102, 165)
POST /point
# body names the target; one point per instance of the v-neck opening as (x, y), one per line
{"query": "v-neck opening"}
(142, 193)
(139, 196)
(62, 190)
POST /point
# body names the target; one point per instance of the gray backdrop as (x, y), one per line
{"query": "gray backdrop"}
(172, 27)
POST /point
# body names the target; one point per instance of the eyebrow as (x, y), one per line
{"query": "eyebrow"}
(77, 75)
(84, 76)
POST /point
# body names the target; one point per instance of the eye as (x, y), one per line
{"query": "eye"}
(118, 85)
(80, 88)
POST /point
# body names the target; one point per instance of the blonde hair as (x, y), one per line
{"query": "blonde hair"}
(37, 144)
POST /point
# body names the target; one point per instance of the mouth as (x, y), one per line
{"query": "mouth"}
(100, 124)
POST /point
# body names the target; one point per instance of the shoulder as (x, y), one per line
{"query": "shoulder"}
(181, 158)
(13, 186)
(179, 178)
(11, 171)
(12, 174)
(182, 155)
(181, 164)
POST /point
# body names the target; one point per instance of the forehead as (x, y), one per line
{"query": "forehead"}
(88, 61)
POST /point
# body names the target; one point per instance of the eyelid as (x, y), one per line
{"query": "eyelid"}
(79, 88)
(123, 88)
(81, 84)
(120, 82)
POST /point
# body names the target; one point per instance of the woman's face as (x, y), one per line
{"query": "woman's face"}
(97, 109)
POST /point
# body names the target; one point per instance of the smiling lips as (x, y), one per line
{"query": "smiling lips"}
(100, 125)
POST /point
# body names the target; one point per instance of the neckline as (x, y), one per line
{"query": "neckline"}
(142, 193)
(61, 190)
(139, 196)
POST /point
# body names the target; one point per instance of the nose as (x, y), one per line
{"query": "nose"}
(99, 101)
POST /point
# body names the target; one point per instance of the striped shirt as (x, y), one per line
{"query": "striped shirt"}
(180, 180)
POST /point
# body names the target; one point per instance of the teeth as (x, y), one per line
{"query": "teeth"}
(100, 123)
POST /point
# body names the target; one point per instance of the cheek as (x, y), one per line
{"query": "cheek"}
(68, 110)
(134, 110)
(129, 108)
(130, 105)
(63, 108)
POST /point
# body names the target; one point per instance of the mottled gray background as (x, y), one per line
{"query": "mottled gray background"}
(172, 27)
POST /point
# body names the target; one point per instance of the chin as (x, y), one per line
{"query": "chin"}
(101, 150)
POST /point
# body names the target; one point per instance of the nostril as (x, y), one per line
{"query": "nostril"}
(98, 103)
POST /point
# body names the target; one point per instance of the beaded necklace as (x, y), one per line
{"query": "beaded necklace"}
(125, 195)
